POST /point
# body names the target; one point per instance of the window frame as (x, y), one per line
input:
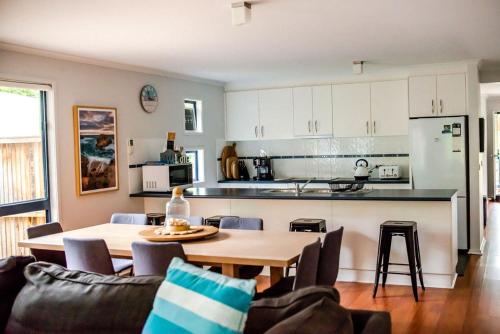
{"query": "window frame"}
(197, 108)
(42, 204)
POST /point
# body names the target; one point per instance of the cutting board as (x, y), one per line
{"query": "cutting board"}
(227, 152)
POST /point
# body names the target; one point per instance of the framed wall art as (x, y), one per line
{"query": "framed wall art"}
(96, 160)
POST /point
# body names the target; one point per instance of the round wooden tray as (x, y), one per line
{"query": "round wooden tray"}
(207, 231)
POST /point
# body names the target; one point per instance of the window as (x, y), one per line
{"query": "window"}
(196, 157)
(192, 116)
(24, 191)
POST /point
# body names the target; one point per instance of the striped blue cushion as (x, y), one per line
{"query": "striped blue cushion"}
(193, 300)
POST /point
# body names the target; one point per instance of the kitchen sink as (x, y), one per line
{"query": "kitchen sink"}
(280, 191)
(317, 191)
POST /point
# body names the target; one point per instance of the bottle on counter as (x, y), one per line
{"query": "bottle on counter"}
(177, 210)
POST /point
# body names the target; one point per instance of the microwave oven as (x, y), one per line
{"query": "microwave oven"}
(165, 177)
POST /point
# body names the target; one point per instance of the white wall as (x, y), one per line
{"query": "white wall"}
(82, 84)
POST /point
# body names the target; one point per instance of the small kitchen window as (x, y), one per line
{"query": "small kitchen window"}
(192, 116)
(196, 158)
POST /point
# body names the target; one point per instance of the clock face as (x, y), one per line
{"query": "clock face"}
(149, 98)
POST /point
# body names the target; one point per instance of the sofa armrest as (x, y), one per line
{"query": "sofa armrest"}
(373, 322)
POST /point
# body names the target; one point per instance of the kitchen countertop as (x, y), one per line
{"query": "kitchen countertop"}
(371, 180)
(372, 195)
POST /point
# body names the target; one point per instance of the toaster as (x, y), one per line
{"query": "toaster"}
(389, 172)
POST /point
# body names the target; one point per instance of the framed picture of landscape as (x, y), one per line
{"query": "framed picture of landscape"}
(96, 160)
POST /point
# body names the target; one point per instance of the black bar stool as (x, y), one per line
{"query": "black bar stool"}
(408, 230)
(155, 218)
(308, 225)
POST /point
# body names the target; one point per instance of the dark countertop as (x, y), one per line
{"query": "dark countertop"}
(372, 195)
(371, 180)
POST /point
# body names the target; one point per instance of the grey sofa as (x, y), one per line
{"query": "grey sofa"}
(51, 299)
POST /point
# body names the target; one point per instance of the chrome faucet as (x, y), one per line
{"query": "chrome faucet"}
(299, 189)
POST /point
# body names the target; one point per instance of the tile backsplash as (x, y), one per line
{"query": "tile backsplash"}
(325, 157)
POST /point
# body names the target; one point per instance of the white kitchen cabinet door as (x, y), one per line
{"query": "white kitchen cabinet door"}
(302, 111)
(242, 115)
(389, 108)
(351, 110)
(422, 96)
(276, 113)
(451, 94)
(322, 110)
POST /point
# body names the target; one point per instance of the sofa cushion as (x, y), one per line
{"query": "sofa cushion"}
(57, 300)
(323, 317)
(267, 312)
(11, 282)
(193, 300)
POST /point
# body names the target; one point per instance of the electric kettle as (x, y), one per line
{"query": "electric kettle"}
(361, 170)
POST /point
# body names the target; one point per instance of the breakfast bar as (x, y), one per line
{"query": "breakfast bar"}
(361, 214)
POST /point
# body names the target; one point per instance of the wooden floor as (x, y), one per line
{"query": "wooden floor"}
(473, 306)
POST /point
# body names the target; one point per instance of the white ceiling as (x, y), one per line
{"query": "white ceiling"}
(285, 38)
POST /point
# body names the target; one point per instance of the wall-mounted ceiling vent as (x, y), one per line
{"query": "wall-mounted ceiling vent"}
(241, 12)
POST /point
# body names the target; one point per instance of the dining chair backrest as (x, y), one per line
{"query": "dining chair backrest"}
(51, 256)
(237, 223)
(307, 268)
(328, 267)
(88, 254)
(129, 218)
(196, 220)
(153, 258)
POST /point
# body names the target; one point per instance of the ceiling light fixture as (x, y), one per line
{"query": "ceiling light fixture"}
(357, 66)
(241, 12)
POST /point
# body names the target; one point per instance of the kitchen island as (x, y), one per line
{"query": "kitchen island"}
(361, 214)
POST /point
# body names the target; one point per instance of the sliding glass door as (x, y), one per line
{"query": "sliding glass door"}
(24, 190)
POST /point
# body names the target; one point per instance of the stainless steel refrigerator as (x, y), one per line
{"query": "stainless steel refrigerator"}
(439, 160)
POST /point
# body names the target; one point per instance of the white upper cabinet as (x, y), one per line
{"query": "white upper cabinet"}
(438, 95)
(312, 111)
(242, 115)
(451, 93)
(322, 110)
(389, 108)
(276, 113)
(351, 110)
(422, 96)
(302, 111)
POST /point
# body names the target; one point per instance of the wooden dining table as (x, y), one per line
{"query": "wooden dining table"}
(228, 248)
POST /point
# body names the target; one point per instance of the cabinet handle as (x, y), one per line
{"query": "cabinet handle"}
(367, 128)
(432, 104)
(441, 105)
(262, 131)
(316, 126)
(309, 126)
(255, 130)
(374, 128)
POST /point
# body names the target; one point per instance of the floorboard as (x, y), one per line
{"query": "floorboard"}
(473, 306)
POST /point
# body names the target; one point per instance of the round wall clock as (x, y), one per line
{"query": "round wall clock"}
(149, 98)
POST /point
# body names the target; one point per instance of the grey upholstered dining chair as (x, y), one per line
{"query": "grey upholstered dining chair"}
(56, 257)
(92, 254)
(153, 258)
(129, 218)
(306, 275)
(329, 258)
(236, 223)
(196, 220)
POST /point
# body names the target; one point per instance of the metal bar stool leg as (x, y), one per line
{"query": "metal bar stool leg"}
(386, 257)
(410, 247)
(419, 264)
(379, 260)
